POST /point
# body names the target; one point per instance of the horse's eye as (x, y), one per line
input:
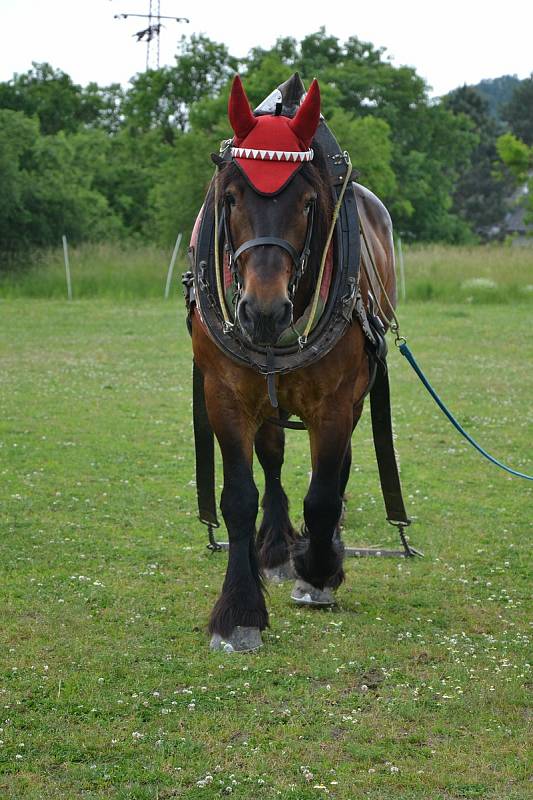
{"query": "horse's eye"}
(309, 204)
(230, 198)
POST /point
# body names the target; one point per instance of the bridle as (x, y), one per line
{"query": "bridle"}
(299, 260)
(221, 226)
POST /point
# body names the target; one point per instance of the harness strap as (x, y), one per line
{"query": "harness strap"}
(263, 240)
(384, 446)
(383, 443)
(204, 445)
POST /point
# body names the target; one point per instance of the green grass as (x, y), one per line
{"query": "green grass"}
(120, 271)
(417, 687)
(478, 274)
(470, 275)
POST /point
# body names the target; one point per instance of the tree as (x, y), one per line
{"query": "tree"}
(103, 106)
(497, 92)
(519, 111)
(161, 99)
(368, 141)
(180, 186)
(46, 191)
(430, 152)
(479, 195)
(517, 157)
(48, 94)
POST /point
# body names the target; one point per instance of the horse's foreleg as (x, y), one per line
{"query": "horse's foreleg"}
(347, 461)
(240, 611)
(318, 555)
(276, 533)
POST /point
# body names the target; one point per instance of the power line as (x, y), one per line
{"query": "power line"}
(153, 30)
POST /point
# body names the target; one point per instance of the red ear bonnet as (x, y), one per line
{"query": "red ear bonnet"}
(307, 117)
(240, 114)
(270, 149)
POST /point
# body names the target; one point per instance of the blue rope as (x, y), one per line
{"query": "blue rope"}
(404, 350)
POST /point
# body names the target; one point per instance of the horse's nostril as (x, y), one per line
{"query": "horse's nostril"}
(284, 315)
(264, 326)
(243, 311)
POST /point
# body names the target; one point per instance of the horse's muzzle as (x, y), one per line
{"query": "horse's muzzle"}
(264, 325)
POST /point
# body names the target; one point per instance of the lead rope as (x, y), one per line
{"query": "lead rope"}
(401, 343)
(302, 340)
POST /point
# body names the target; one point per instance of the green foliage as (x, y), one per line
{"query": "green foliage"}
(497, 92)
(515, 154)
(50, 95)
(480, 189)
(161, 99)
(45, 190)
(517, 157)
(436, 148)
(368, 141)
(519, 111)
(180, 187)
(113, 161)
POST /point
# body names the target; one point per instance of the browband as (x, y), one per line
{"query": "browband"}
(272, 155)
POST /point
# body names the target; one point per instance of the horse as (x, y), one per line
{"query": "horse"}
(273, 214)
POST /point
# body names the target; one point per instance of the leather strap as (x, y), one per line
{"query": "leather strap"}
(262, 240)
(384, 446)
(204, 445)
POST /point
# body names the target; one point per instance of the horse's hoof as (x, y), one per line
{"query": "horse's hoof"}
(241, 640)
(305, 594)
(283, 572)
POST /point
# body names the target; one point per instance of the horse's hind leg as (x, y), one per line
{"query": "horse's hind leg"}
(318, 554)
(276, 534)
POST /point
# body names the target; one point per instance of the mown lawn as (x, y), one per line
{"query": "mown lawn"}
(417, 686)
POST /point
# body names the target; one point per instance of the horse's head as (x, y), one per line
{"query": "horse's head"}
(270, 193)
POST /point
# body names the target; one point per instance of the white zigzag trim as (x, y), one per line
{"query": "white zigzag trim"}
(272, 155)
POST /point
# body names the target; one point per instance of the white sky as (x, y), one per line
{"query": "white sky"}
(449, 43)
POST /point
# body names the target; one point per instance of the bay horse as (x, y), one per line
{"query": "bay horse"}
(325, 395)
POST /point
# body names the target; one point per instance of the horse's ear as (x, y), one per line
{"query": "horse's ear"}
(240, 114)
(307, 117)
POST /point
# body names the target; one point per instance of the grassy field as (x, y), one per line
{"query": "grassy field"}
(478, 274)
(416, 687)
(119, 271)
